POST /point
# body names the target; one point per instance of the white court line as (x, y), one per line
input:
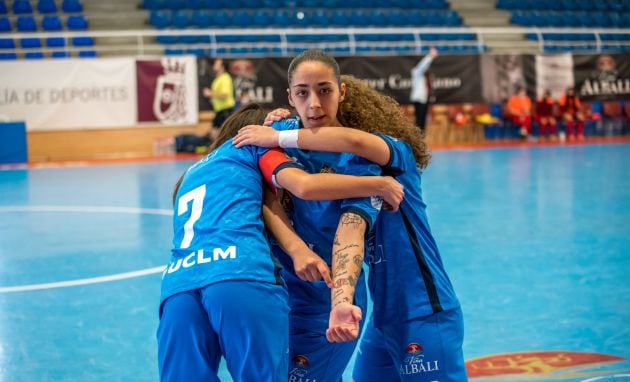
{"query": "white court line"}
(92, 280)
(119, 210)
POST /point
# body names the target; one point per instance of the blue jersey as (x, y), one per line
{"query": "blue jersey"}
(407, 278)
(316, 221)
(218, 232)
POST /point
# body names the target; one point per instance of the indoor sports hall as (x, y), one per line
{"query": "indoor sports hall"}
(102, 108)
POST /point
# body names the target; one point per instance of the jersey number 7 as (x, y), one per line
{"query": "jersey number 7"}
(196, 196)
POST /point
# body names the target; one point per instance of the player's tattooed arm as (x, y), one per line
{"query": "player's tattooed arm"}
(348, 247)
(347, 260)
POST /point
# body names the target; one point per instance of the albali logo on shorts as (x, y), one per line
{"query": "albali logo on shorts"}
(298, 371)
(414, 362)
(557, 365)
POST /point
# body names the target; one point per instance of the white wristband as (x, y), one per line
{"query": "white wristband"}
(288, 139)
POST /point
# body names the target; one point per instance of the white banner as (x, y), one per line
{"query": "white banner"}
(554, 73)
(69, 93)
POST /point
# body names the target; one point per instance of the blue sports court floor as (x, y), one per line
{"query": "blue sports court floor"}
(535, 239)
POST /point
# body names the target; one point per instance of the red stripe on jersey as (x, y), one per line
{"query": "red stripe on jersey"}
(269, 162)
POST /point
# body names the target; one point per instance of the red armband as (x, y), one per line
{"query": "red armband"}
(270, 162)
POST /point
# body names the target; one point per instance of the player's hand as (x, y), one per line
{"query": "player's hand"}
(310, 267)
(256, 135)
(392, 193)
(207, 92)
(276, 115)
(343, 324)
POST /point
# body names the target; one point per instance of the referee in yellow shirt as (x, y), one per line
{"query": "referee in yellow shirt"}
(221, 95)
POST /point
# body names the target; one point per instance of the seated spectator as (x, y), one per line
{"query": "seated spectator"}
(571, 110)
(545, 116)
(519, 109)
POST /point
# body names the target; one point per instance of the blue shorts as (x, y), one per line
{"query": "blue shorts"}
(422, 349)
(311, 356)
(245, 322)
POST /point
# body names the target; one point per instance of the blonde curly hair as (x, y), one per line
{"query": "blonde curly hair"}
(368, 110)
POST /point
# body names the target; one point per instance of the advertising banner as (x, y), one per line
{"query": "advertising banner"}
(602, 77)
(264, 80)
(69, 94)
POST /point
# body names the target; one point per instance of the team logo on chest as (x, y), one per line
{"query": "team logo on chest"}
(414, 361)
(326, 169)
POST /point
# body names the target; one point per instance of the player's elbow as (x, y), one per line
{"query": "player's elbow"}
(304, 187)
(296, 181)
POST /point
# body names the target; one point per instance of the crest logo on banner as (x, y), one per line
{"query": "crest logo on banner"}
(169, 100)
(166, 93)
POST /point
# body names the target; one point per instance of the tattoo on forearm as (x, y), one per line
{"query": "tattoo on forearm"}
(353, 220)
(341, 259)
(345, 299)
(350, 280)
(336, 240)
(358, 259)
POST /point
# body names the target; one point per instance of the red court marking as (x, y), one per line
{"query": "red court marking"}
(535, 362)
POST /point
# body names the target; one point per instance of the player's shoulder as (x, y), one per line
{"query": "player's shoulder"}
(292, 123)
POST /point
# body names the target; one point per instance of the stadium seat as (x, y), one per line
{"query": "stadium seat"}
(22, 7)
(210, 4)
(196, 51)
(30, 42)
(51, 23)
(55, 42)
(26, 24)
(160, 19)
(7, 43)
(3, 8)
(358, 17)
(221, 19)
(194, 4)
(173, 51)
(201, 19)
(174, 5)
(152, 5)
(5, 24)
(261, 18)
(241, 19)
(319, 18)
(83, 41)
(451, 18)
(34, 55)
(8, 56)
(60, 54)
(87, 53)
(281, 19)
(163, 39)
(71, 6)
(181, 19)
(395, 18)
(46, 6)
(77, 22)
(338, 18)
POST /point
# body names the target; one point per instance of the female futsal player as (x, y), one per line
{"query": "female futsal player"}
(415, 331)
(221, 268)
